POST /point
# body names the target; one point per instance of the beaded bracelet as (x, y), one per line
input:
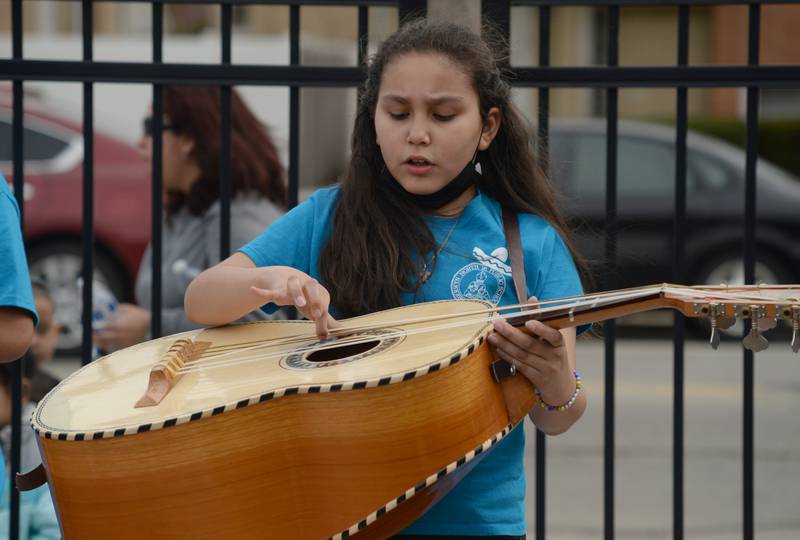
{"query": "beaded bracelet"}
(550, 408)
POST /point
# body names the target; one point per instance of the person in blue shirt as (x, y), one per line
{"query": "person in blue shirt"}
(438, 150)
(17, 312)
(37, 515)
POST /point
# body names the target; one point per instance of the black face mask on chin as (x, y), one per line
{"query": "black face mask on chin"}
(464, 180)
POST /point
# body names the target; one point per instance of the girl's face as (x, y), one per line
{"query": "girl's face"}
(428, 121)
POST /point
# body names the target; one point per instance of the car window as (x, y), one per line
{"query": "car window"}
(708, 172)
(37, 146)
(645, 168)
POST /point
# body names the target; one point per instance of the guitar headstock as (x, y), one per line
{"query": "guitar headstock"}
(722, 305)
(763, 305)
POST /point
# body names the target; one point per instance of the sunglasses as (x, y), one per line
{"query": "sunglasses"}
(147, 126)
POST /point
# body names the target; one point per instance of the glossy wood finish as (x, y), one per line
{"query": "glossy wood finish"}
(304, 466)
(301, 466)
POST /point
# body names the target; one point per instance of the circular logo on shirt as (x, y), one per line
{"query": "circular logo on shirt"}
(477, 281)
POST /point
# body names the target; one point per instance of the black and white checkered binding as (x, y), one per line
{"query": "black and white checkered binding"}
(429, 481)
(42, 431)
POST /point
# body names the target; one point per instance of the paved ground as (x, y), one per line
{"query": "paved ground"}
(713, 442)
(713, 465)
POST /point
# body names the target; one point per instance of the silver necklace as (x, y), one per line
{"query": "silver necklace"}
(426, 270)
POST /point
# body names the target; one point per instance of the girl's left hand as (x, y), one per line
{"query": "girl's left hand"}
(127, 328)
(540, 354)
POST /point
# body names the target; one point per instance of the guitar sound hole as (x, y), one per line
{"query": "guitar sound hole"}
(345, 351)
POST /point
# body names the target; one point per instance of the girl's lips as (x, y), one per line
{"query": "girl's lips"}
(418, 168)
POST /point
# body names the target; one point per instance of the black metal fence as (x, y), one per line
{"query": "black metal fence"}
(609, 78)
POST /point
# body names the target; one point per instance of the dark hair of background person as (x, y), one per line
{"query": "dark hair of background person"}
(194, 111)
(376, 234)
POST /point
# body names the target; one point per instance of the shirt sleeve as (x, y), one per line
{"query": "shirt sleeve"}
(15, 281)
(287, 242)
(556, 275)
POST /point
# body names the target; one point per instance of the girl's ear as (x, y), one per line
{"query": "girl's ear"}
(490, 128)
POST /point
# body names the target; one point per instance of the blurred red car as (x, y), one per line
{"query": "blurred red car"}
(53, 194)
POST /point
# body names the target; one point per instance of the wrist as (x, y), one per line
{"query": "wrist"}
(558, 389)
(273, 277)
(560, 403)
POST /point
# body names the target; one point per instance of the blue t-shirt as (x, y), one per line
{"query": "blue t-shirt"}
(15, 282)
(474, 263)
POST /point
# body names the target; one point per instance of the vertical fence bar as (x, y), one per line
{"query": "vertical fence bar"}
(157, 180)
(18, 111)
(18, 158)
(225, 187)
(679, 276)
(363, 43)
(88, 189)
(412, 8)
(544, 156)
(753, 36)
(499, 13)
(363, 33)
(294, 107)
(611, 261)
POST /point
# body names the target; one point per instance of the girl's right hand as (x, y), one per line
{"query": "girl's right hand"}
(306, 294)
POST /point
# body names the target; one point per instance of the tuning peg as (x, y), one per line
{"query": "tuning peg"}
(766, 325)
(714, 341)
(754, 341)
(723, 323)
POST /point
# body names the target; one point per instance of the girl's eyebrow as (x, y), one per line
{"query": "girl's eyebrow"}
(434, 101)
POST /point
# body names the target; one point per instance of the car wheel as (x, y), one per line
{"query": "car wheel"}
(58, 265)
(729, 268)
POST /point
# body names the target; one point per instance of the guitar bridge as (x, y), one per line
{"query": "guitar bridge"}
(166, 373)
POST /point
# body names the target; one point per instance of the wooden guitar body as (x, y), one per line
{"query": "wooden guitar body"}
(287, 446)
(260, 431)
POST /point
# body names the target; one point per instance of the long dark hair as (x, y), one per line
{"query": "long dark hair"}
(194, 111)
(369, 259)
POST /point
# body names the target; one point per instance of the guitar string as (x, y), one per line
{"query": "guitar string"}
(406, 322)
(430, 318)
(675, 289)
(213, 361)
(209, 354)
(206, 362)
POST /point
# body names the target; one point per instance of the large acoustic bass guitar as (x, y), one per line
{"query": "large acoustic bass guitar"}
(259, 430)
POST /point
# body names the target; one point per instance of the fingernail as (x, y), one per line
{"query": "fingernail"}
(317, 313)
(300, 301)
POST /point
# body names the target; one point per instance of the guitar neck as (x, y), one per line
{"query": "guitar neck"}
(741, 302)
(577, 315)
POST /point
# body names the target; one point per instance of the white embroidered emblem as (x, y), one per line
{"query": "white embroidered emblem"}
(483, 280)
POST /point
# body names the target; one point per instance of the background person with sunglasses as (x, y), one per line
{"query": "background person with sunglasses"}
(191, 228)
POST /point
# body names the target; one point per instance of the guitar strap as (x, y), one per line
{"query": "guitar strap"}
(500, 368)
(511, 228)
